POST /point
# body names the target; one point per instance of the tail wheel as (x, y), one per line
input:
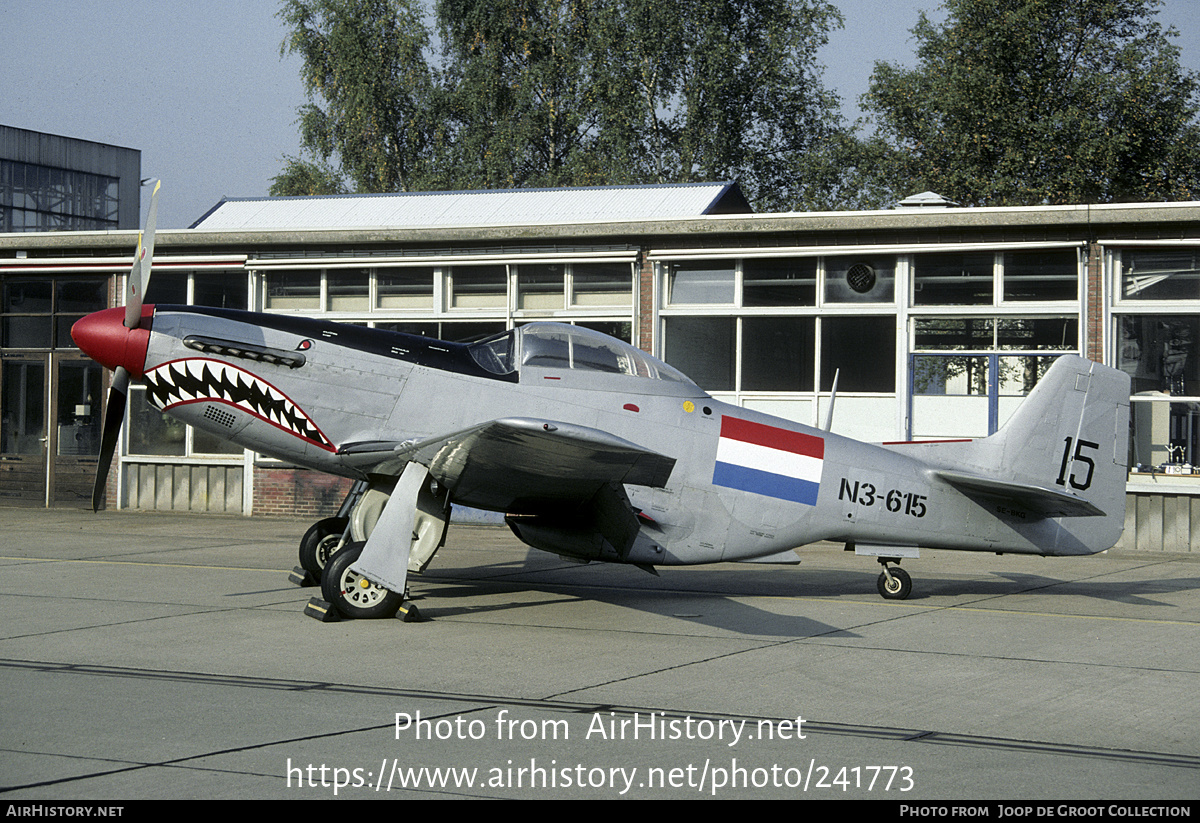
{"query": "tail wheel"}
(320, 542)
(353, 595)
(894, 583)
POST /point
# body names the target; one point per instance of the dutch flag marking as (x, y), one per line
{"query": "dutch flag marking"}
(767, 460)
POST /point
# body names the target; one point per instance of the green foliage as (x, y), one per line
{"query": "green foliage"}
(519, 77)
(303, 177)
(569, 92)
(365, 61)
(1022, 102)
(725, 89)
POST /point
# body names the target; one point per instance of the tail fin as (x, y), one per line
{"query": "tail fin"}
(1063, 454)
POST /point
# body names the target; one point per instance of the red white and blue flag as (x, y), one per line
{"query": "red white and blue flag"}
(762, 459)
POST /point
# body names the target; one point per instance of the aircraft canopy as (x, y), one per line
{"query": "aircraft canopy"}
(562, 346)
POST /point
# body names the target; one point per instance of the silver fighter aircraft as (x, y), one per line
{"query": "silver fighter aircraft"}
(597, 451)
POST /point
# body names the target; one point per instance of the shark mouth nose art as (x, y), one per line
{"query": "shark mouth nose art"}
(197, 380)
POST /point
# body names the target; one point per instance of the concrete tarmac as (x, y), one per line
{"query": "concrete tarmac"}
(151, 655)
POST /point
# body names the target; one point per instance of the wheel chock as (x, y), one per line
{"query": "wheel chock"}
(303, 578)
(409, 613)
(322, 610)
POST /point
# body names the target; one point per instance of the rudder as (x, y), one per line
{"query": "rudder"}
(1071, 436)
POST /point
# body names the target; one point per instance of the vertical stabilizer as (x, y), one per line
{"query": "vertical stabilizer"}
(1062, 455)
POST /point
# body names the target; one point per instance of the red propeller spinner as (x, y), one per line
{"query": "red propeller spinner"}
(103, 337)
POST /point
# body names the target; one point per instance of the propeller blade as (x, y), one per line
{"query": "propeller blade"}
(139, 274)
(114, 415)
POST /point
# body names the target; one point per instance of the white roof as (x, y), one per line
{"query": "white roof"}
(475, 208)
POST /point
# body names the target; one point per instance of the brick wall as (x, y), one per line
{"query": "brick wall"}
(297, 492)
(645, 340)
(1093, 304)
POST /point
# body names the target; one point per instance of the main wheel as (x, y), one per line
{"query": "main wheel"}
(899, 587)
(320, 542)
(353, 595)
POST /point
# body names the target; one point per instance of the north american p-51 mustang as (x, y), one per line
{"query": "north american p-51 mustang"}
(595, 450)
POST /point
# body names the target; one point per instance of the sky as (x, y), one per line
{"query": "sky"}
(202, 91)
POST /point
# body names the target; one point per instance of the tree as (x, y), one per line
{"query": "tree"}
(728, 89)
(520, 80)
(567, 92)
(304, 177)
(373, 101)
(1023, 102)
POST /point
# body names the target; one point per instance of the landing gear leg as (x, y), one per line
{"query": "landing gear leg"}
(325, 537)
(894, 583)
(392, 532)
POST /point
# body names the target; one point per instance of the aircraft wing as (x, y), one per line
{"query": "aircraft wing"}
(1044, 501)
(518, 464)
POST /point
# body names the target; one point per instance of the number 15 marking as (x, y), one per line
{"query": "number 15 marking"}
(1080, 457)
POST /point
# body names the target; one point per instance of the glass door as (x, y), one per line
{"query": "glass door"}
(952, 396)
(50, 422)
(77, 404)
(24, 440)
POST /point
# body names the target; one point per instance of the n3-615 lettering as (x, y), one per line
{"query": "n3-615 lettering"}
(893, 500)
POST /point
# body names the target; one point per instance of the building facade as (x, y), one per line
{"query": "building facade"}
(54, 183)
(932, 322)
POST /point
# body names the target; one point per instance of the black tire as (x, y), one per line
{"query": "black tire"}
(320, 542)
(898, 588)
(352, 594)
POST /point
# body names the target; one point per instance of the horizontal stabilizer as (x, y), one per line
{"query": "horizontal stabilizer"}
(1046, 502)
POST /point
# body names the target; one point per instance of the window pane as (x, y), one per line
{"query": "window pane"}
(702, 283)
(541, 286)
(79, 417)
(23, 414)
(81, 296)
(863, 348)
(950, 396)
(1037, 333)
(1019, 374)
(479, 287)
(620, 329)
(405, 288)
(347, 289)
(62, 330)
(293, 290)
(1051, 274)
(602, 284)
(958, 279)
(19, 332)
(168, 287)
(1157, 352)
(777, 353)
(27, 296)
(954, 333)
(952, 375)
(220, 291)
(703, 349)
(469, 332)
(152, 431)
(1160, 274)
(414, 328)
(1165, 436)
(860, 279)
(779, 282)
